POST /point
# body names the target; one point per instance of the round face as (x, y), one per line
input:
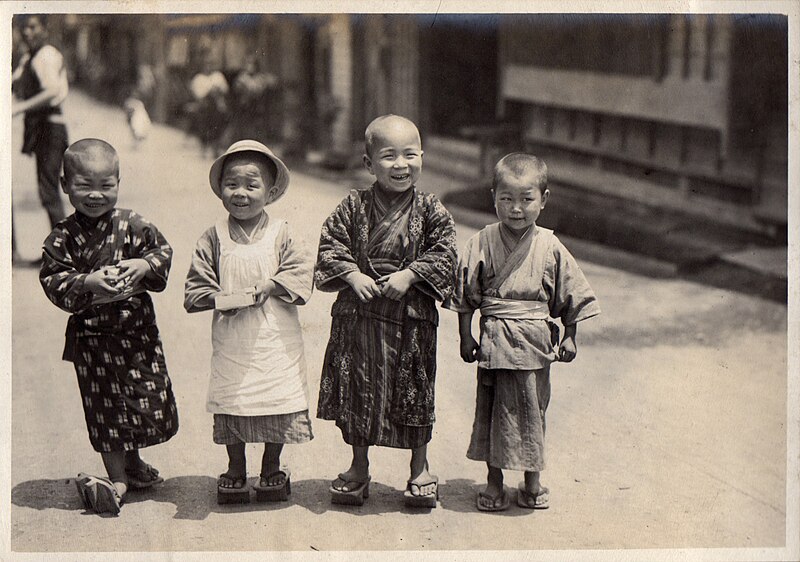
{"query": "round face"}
(93, 187)
(34, 33)
(395, 157)
(518, 200)
(246, 188)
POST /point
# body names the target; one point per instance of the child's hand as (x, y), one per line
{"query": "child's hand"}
(567, 350)
(263, 291)
(132, 272)
(363, 285)
(102, 283)
(395, 285)
(470, 350)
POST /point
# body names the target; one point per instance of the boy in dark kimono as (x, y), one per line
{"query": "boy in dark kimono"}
(519, 276)
(389, 250)
(98, 264)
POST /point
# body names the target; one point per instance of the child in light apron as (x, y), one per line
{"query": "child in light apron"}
(253, 275)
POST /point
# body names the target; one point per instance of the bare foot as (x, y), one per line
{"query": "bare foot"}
(352, 479)
(423, 485)
(233, 481)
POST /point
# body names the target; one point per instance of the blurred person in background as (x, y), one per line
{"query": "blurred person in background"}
(208, 109)
(39, 85)
(251, 101)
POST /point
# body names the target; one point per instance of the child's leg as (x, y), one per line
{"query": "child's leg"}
(115, 467)
(532, 483)
(422, 483)
(236, 475)
(357, 473)
(271, 465)
(493, 495)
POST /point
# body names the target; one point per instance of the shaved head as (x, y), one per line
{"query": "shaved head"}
(381, 125)
(83, 152)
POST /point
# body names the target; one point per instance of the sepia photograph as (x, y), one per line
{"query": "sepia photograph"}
(437, 280)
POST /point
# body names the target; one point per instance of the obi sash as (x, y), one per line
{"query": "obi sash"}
(514, 309)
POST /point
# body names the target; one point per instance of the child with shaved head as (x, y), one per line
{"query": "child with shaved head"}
(389, 251)
(99, 264)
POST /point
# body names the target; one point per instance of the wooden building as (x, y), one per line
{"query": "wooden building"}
(686, 112)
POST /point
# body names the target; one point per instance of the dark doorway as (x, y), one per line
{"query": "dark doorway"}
(458, 72)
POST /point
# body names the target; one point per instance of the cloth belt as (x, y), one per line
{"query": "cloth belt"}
(514, 309)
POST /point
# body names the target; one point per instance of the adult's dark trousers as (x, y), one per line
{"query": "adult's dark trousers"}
(49, 152)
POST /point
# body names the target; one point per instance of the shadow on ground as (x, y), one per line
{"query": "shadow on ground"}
(194, 497)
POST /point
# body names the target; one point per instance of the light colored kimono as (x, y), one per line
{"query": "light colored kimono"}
(519, 286)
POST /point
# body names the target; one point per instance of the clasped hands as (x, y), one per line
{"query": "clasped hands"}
(117, 282)
(392, 286)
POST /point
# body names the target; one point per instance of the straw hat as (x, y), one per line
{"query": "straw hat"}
(281, 180)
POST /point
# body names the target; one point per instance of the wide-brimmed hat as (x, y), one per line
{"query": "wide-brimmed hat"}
(281, 179)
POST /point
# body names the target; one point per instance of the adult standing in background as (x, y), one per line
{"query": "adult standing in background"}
(40, 86)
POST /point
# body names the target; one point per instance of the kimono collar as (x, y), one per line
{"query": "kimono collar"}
(90, 222)
(389, 199)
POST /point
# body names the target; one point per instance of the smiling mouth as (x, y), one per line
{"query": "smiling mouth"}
(94, 205)
(401, 177)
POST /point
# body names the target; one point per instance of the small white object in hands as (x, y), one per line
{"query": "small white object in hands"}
(235, 300)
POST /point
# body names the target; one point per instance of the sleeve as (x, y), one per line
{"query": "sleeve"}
(150, 245)
(295, 268)
(61, 281)
(335, 256)
(47, 65)
(202, 281)
(467, 290)
(572, 299)
(436, 262)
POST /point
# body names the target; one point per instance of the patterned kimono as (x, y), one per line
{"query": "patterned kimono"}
(518, 285)
(380, 364)
(127, 394)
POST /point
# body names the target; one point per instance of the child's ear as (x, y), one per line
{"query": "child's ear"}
(273, 192)
(545, 195)
(368, 164)
(63, 181)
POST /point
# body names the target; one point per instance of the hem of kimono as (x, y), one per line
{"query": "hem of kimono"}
(336, 418)
(473, 456)
(137, 446)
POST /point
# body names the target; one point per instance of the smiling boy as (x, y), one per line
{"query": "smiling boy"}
(389, 251)
(99, 264)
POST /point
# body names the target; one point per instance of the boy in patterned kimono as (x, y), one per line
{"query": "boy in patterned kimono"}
(99, 264)
(519, 276)
(389, 251)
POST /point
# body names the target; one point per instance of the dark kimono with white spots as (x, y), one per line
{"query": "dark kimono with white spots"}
(127, 395)
(379, 369)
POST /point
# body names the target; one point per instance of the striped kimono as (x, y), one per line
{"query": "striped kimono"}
(115, 346)
(519, 286)
(379, 369)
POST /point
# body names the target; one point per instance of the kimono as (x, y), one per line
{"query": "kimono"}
(127, 394)
(379, 369)
(519, 286)
(258, 388)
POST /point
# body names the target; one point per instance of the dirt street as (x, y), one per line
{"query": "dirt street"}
(667, 431)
